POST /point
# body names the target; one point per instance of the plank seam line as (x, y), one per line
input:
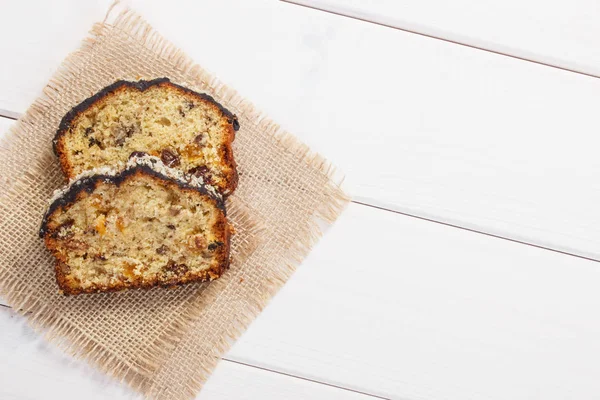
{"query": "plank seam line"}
(9, 114)
(476, 231)
(442, 39)
(307, 379)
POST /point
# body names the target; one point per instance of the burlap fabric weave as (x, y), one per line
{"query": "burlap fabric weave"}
(164, 343)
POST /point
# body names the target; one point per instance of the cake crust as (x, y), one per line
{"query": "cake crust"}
(85, 186)
(227, 166)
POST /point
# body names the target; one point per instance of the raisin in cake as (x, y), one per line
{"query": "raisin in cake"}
(147, 225)
(187, 130)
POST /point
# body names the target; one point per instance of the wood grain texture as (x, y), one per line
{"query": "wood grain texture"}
(559, 33)
(418, 125)
(32, 369)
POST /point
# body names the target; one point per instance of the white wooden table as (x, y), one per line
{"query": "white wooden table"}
(467, 265)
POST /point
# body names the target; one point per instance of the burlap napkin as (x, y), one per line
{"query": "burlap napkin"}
(164, 343)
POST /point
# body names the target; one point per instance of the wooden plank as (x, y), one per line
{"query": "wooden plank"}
(559, 33)
(404, 308)
(33, 369)
(33, 43)
(418, 125)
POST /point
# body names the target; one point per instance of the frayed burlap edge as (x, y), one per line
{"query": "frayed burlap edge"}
(76, 343)
(60, 332)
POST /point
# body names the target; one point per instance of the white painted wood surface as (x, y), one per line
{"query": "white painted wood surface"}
(418, 125)
(389, 305)
(34, 39)
(32, 369)
(556, 32)
(409, 309)
(5, 124)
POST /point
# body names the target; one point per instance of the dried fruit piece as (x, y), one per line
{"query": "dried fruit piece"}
(95, 142)
(129, 270)
(101, 224)
(214, 245)
(200, 139)
(169, 158)
(202, 172)
(197, 242)
(162, 250)
(137, 154)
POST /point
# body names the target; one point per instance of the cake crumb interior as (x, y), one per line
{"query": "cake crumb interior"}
(142, 230)
(171, 124)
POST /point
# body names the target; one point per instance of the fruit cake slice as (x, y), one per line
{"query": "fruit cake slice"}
(187, 130)
(147, 225)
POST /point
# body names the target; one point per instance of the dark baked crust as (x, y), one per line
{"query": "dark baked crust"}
(65, 125)
(88, 185)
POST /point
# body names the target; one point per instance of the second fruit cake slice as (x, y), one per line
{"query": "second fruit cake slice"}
(147, 225)
(187, 130)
